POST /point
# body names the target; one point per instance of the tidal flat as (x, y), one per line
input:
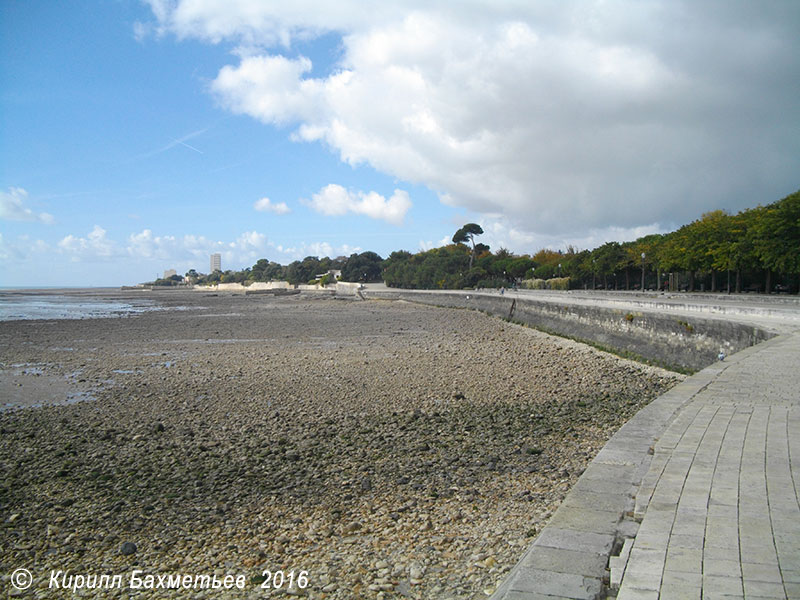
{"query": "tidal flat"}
(388, 449)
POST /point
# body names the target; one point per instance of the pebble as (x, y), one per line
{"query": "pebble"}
(278, 448)
(127, 548)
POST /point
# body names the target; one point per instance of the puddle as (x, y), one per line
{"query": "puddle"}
(32, 387)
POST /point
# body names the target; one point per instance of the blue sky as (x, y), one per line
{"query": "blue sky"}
(137, 137)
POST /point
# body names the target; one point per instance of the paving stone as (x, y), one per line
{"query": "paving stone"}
(568, 539)
(761, 572)
(692, 580)
(685, 560)
(723, 585)
(559, 560)
(555, 584)
(585, 519)
(722, 567)
(631, 593)
(761, 588)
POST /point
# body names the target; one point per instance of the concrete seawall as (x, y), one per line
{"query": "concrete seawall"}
(684, 342)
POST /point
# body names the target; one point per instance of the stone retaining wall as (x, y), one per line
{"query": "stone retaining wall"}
(682, 342)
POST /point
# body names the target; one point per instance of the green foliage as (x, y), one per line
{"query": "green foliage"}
(366, 267)
(775, 234)
(467, 234)
(438, 268)
(491, 283)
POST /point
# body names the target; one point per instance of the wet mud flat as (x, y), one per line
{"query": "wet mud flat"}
(388, 449)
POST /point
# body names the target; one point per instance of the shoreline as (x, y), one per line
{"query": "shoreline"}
(385, 448)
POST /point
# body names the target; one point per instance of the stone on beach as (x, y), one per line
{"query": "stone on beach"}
(379, 446)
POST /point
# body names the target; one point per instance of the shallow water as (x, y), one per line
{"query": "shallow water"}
(33, 307)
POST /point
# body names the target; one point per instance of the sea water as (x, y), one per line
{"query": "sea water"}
(15, 307)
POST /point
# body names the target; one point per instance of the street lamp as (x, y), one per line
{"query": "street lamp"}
(642, 271)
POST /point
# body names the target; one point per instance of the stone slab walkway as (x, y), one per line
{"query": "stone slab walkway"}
(719, 505)
(698, 493)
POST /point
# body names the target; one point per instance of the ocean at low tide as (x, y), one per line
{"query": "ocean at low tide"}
(15, 307)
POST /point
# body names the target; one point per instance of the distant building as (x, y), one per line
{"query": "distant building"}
(216, 262)
(336, 274)
(169, 273)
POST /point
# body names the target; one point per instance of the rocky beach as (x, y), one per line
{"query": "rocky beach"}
(387, 449)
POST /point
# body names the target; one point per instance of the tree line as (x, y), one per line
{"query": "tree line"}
(757, 249)
(366, 267)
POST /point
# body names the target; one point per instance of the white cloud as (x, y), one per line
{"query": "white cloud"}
(193, 251)
(12, 207)
(95, 245)
(145, 245)
(429, 245)
(270, 88)
(500, 233)
(266, 205)
(334, 200)
(247, 248)
(318, 249)
(561, 116)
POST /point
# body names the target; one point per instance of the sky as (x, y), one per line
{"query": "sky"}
(137, 137)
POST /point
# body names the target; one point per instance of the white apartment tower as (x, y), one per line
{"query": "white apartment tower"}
(216, 262)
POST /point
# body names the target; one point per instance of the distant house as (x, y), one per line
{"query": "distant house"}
(169, 273)
(336, 274)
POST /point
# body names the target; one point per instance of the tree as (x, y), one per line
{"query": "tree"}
(775, 231)
(467, 234)
(366, 267)
(608, 259)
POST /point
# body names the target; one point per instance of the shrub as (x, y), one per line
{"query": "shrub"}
(533, 284)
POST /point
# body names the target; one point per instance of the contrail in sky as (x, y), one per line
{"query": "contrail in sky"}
(182, 143)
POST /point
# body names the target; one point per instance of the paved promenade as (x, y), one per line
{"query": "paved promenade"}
(697, 497)
(719, 504)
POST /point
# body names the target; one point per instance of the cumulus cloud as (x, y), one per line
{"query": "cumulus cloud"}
(266, 205)
(429, 245)
(95, 245)
(6, 251)
(318, 249)
(12, 207)
(334, 200)
(247, 247)
(22, 248)
(148, 250)
(563, 117)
